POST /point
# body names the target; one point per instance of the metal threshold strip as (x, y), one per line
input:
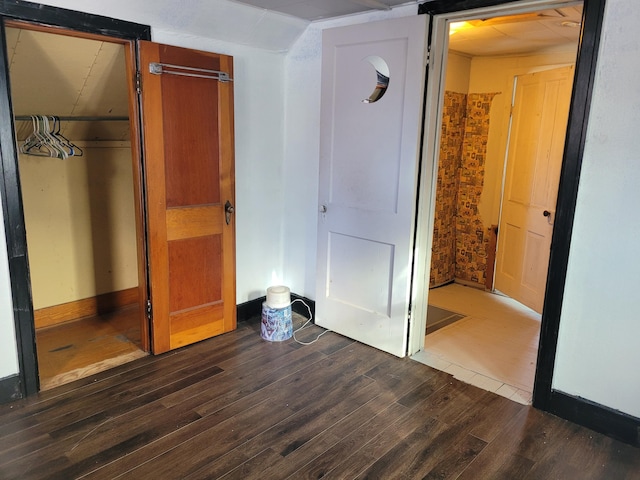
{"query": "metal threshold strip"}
(160, 68)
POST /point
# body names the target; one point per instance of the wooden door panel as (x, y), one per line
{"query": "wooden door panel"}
(191, 154)
(194, 260)
(192, 326)
(188, 137)
(194, 222)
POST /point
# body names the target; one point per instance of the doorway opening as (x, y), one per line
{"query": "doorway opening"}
(494, 340)
(78, 179)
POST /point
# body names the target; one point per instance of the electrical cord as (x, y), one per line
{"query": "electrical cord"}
(305, 325)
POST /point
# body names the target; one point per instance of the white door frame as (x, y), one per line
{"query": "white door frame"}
(430, 153)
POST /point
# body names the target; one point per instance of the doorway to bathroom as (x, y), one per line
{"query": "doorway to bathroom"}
(488, 105)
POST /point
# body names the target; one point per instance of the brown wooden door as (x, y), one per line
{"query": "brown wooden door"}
(189, 177)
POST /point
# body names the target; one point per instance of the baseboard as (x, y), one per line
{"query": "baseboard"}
(10, 390)
(253, 308)
(106, 302)
(300, 309)
(250, 310)
(468, 283)
(613, 423)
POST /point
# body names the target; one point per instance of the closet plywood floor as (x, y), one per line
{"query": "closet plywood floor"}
(87, 346)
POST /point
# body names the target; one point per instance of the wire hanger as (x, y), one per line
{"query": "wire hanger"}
(46, 140)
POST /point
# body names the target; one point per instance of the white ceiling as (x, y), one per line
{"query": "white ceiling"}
(517, 34)
(319, 9)
(493, 36)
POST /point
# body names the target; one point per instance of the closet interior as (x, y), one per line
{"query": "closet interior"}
(71, 107)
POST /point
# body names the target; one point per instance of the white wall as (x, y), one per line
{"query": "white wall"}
(302, 143)
(259, 133)
(8, 349)
(598, 348)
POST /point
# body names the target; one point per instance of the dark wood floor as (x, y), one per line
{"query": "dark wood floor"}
(239, 407)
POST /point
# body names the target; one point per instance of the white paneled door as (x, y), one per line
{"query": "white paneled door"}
(372, 89)
(534, 159)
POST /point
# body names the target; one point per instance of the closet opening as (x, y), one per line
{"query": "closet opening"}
(79, 172)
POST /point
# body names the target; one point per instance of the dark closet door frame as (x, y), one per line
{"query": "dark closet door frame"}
(575, 409)
(26, 381)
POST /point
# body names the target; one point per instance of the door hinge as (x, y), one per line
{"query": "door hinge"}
(138, 82)
(149, 311)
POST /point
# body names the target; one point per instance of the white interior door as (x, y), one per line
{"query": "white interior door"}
(534, 159)
(372, 87)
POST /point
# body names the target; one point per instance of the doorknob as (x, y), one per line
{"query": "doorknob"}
(228, 210)
(546, 213)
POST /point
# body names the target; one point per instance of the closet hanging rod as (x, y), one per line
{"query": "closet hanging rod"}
(77, 119)
(160, 68)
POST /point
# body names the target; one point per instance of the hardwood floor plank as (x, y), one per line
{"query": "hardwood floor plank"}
(290, 399)
(253, 467)
(381, 457)
(455, 460)
(533, 436)
(312, 332)
(453, 400)
(403, 375)
(415, 455)
(207, 438)
(241, 407)
(261, 370)
(66, 440)
(585, 454)
(295, 431)
(493, 419)
(507, 467)
(420, 452)
(72, 414)
(226, 386)
(82, 464)
(424, 389)
(362, 457)
(500, 457)
(345, 364)
(292, 394)
(133, 372)
(319, 456)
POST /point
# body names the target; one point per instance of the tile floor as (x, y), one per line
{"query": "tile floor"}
(494, 347)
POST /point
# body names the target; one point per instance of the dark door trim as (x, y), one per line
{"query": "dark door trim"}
(9, 174)
(543, 394)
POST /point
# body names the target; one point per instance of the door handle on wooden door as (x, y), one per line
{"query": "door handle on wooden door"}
(228, 210)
